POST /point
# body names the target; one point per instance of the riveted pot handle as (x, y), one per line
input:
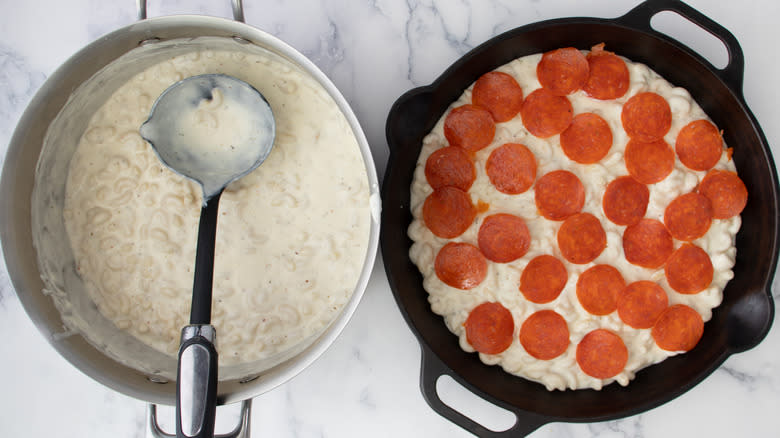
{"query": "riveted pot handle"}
(242, 429)
(238, 9)
(433, 368)
(732, 74)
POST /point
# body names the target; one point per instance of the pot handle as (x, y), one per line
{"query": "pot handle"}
(238, 10)
(732, 74)
(242, 429)
(432, 368)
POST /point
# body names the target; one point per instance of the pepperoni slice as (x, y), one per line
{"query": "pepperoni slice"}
(503, 238)
(511, 168)
(598, 289)
(490, 328)
(545, 335)
(641, 303)
(460, 265)
(559, 194)
(602, 354)
(581, 238)
(470, 127)
(609, 78)
(544, 114)
(679, 328)
(543, 279)
(625, 201)
(647, 243)
(450, 166)
(563, 71)
(649, 163)
(699, 145)
(726, 192)
(587, 140)
(498, 93)
(448, 212)
(689, 269)
(688, 216)
(646, 117)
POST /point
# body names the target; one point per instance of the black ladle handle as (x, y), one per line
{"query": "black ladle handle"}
(732, 74)
(197, 374)
(200, 311)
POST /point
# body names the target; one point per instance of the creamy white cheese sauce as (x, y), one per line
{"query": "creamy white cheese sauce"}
(501, 283)
(292, 235)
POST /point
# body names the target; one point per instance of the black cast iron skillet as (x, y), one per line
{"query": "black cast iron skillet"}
(747, 311)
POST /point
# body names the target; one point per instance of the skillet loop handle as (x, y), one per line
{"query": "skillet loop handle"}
(237, 5)
(732, 74)
(432, 368)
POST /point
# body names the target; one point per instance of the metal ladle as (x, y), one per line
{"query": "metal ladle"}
(213, 129)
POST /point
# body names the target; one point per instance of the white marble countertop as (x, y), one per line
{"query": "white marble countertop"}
(366, 384)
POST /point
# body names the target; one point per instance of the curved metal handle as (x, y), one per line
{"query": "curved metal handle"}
(242, 429)
(238, 10)
(140, 6)
(732, 74)
(432, 368)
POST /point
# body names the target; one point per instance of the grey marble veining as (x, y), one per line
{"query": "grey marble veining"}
(18, 83)
(632, 427)
(6, 289)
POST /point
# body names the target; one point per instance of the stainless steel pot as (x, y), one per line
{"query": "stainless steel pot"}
(66, 92)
